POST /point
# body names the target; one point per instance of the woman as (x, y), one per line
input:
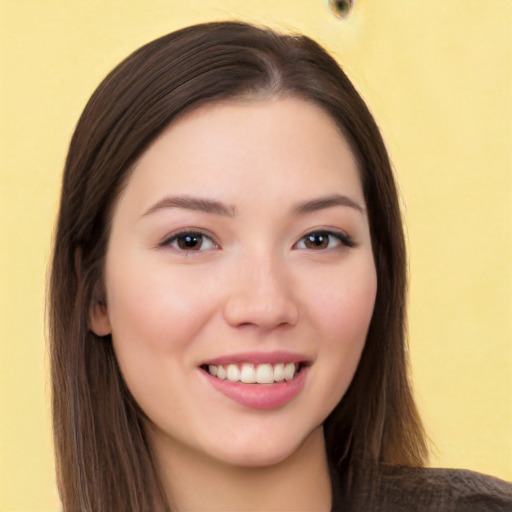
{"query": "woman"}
(227, 297)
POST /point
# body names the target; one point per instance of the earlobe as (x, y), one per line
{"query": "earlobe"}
(99, 322)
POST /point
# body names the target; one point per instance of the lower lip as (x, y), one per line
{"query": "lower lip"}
(260, 396)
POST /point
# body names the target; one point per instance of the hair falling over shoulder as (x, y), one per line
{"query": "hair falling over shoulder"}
(104, 461)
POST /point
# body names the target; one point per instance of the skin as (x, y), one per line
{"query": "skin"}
(256, 284)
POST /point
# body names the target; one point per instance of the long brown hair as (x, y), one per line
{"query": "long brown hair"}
(102, 454)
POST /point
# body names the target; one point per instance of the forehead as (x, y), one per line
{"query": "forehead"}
(274, 146)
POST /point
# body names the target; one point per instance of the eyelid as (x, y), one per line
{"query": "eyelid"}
(344, 238)
(170, 238)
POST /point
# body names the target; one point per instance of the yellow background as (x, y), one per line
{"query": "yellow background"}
(438, 77)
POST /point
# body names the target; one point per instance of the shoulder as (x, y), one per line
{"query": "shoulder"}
(446, 489)
(396, 489)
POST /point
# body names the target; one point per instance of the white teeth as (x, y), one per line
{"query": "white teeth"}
(221, 372)
(279, 372)
(264, 374)
(248, 373)
(289, 371)
(233, 373)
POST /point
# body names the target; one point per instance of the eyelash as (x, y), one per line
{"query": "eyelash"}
(175, 237)
(173, 240)
(341, 237)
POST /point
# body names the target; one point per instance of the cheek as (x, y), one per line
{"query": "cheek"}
(154, 313)
(343, 312)
(344, 305)
(156, 317)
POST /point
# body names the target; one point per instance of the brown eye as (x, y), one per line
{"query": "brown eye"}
(316, 241)
(190, 241)
(320, 240)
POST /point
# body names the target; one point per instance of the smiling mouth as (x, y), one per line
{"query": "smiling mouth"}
(248, 373)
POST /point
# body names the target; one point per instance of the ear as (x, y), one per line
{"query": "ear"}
(99, 322)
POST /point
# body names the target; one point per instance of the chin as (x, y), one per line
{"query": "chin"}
(257, 458)
(265, 451)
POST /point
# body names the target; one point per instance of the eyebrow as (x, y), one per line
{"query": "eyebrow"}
(327, 202)
(214, 207)
(193, 203)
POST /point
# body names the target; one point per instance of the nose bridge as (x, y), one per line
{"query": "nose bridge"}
(261, 294)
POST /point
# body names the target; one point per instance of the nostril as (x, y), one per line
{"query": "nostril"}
(265, 297)
(252, 309)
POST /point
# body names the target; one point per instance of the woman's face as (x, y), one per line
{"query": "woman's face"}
(240, 247)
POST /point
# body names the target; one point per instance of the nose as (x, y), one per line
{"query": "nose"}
(262, 295)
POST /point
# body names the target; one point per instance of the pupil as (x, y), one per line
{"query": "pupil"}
(317, 240)
(190, 242)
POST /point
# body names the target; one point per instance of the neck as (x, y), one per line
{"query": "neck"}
(194, 482)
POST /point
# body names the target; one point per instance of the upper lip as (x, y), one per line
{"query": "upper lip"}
(275, 357)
